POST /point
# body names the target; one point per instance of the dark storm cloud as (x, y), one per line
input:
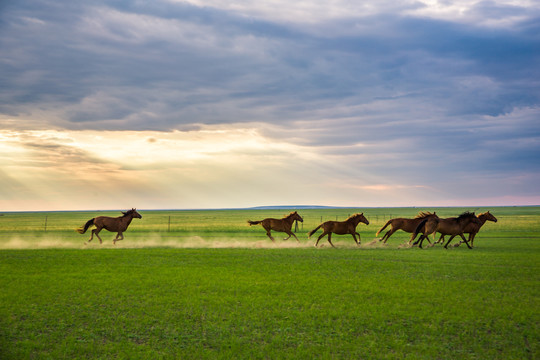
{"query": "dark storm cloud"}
(162, 66)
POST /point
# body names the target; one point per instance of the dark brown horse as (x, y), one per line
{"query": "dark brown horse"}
(341, 228)
(474, 227)
(407, 225)
(118, 224)
(449, 226)
(280, 225)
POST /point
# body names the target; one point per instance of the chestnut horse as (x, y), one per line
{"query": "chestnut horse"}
(407, 225)
(118, 224)
(341, 228)
(474, 227)
(280, 225)
(449, 226)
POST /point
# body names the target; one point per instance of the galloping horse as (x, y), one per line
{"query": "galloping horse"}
(449, 226)
(281, 225)
(407, 225)
(118, 224)
(474, 227)
(341, 228)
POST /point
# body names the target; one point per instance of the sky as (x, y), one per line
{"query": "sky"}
(199, 104)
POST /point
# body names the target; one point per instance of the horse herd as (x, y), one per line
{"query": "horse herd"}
(425, 223)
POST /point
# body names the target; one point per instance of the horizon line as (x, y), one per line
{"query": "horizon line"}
(273, 207)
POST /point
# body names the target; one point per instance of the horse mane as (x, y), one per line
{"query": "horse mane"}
(466, 214)
(353, 216)
(423, 215)
(291, 214)
(127, 213)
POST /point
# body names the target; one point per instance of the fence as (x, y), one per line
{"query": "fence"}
(154, 221)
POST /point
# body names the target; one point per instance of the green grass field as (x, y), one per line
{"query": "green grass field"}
(206, 285)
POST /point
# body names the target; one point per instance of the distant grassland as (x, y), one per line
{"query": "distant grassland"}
(229, 228)
(234, 294)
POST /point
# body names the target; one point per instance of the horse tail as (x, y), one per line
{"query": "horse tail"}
(254, 222)
(384, 227)
(418, 229)
(86, 226)
(314, 231)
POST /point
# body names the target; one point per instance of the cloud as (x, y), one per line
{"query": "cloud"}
(406, 95)
(168, 65)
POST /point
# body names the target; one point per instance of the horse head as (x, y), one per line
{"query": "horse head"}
(359, 218)
(488, 216)
(136, 214)
(294, 216)
(133, 212)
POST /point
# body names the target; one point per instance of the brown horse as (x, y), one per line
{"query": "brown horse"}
(407, 225)
(341, 228)
(449, 226)
(280, 225)
(474, 227)
(118, 224)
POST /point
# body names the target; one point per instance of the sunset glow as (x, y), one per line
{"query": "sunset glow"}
(206, 104)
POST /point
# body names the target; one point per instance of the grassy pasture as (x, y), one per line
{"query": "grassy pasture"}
(209, 286)
(228, 228)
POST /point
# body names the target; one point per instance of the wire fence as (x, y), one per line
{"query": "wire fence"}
(35, 222)
(227, 221)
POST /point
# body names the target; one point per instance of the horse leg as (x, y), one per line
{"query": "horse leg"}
(320, 237)
(330, 239)
(420, 241)
(268, 229)
(471, 238)
(354, 237)
(465, 240)
(446, 245)
(387, 235)
(96, 232)
(121, 235)
(91, 237)
(441, 239)
(270, 235)
(417, 241)
(290, 233)
(294, 237)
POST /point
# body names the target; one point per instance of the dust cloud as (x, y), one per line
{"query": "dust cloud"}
(158, 241)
